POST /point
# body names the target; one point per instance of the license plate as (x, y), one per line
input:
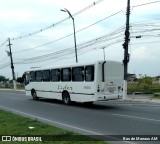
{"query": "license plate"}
(111, 89)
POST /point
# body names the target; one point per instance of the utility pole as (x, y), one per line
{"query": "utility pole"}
(12, 67)
(126, 54)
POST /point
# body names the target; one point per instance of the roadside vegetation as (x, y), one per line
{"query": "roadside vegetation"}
(5, 83)
(133, 87)
(146, 85)
(11, 124)
(156, 95)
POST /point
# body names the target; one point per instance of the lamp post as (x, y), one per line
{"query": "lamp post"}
(65, 10)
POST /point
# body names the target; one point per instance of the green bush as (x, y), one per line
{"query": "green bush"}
(154, 88)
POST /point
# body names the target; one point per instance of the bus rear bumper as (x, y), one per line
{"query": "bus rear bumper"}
(104, 97)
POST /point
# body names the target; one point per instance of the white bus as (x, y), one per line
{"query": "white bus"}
(87, 83)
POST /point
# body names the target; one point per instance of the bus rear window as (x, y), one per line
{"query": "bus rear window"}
(89, 73)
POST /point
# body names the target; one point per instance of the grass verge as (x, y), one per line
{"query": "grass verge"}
(133, 87)
(11, 124)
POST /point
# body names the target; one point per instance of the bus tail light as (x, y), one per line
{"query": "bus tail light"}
(98, 90)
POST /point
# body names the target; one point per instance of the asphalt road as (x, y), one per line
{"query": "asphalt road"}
(102, 118)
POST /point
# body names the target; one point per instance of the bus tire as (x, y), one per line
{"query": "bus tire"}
(66, 98)
(34, 95)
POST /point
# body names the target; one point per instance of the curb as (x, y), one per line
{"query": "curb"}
(143, 100)
(149, 100)
(10, 90)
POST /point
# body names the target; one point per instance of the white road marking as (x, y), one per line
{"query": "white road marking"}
(128, 116)
(55, 122)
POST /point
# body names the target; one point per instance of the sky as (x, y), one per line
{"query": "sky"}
(42, 35)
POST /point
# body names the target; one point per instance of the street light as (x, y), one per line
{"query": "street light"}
(139, 36)
(65, 10)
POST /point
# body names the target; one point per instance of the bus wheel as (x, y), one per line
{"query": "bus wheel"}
(34, 95)
(66, 98)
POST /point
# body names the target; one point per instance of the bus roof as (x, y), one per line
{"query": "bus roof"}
(68, 65)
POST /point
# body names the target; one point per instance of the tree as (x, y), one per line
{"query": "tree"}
(2, 78)
(146, 81)
(20, 80)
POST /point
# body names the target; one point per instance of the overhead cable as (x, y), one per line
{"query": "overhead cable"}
(55, 24)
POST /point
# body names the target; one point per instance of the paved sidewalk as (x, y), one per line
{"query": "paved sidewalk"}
(3, 89)
(148, 98)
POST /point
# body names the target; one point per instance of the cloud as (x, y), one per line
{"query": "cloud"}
(144, 60)
(16, 15)
(142, 54)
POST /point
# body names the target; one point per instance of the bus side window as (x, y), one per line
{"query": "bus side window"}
(78, 74)
(46, 75)
(89, 73)
(38, 75)
(55, 75)
(32, 76)
(66, 74)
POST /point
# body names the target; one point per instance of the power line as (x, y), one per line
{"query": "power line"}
(3, 59)
(56, 56)
(145, 4)
(53, 25)
(5, 65)
(70, 34)
(147, 25)
(145, 36)
(3, 43)
(84, 9)
(81, 46)
(148, 22)
(151, 42)
(62, 53)
(82, 30)
(115, 34)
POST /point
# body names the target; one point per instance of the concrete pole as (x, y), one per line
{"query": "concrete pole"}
(12, 67)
